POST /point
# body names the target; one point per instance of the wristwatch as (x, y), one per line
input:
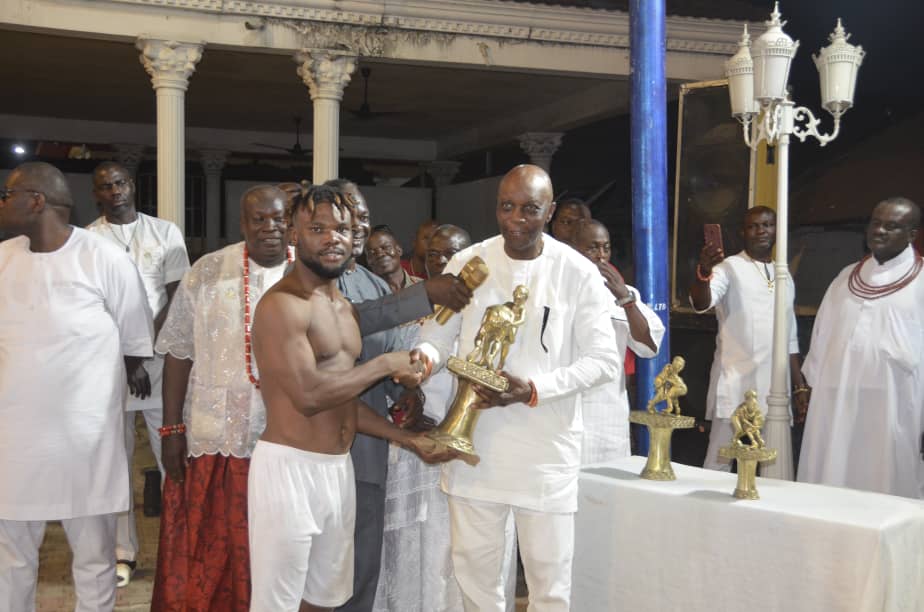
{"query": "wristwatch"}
(626, 300)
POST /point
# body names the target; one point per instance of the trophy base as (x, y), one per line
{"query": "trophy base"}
(460, 445)
(660, 428)
(477, 374)
(747, 458)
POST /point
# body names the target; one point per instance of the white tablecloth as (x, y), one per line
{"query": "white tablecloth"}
(688, 545)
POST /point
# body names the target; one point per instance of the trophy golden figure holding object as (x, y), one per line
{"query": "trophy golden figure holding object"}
(482, 366)
(747, 421)
(669, 387)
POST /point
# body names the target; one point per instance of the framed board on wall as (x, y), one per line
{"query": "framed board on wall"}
(712, 180)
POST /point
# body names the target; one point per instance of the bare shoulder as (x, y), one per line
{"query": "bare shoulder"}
(282, 305)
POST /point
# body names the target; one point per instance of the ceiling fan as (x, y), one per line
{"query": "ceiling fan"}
(295, 150)
(365, 112)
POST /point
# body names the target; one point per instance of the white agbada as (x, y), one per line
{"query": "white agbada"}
(67, 318)
(159, 251)
(866, 369)
(605, 409)
(530, 456)
(223, 412)
(743, 302)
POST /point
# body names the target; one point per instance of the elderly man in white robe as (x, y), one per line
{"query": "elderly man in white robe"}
(528, 437)
(74, 327)
(605, 409)
(866, 366)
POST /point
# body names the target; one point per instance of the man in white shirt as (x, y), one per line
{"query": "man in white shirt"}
(605, 409)
(741, 289)
(73, 319)
(529, 440)
(865, 428)
(159, 252)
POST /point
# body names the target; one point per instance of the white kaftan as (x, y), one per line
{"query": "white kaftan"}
(605, 409)
(223, 412)
(67, 318)
(866, 369)
(743, 304)
(159, 251)
(530, 457)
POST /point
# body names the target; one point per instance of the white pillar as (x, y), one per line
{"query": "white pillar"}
(777, 431)
(213, 161)
(170, 64)
(326, 73)
(129, 156)
(541, 146)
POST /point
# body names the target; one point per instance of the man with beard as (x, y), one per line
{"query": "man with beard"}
(383, 254)
(159, 251)
(74, 320)
(528, 437)
(741, 289)
(370, 454)
(213, 413)
(301, 487)
(865, 428)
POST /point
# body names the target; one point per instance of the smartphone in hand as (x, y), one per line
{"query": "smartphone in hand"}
(712, 232)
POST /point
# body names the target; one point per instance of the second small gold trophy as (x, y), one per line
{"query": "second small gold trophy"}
(497, 333)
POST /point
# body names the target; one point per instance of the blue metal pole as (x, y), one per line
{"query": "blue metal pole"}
(648, 108)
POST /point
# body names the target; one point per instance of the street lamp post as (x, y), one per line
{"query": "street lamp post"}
(757, 88)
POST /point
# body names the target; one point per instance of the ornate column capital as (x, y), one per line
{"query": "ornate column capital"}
(326, 72)
(170, 63)
(213, 161)
(129, 155)
(541, 146)
(442, 171)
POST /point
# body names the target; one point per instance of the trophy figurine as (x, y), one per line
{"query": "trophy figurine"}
(497, 333)
(747, 421)
(668, 388)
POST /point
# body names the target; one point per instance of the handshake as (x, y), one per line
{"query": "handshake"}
(407, 368)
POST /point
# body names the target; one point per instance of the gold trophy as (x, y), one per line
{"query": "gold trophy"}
(661, 425)
(497, 333)
(747, 421)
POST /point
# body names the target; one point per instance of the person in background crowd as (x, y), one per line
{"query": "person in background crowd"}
(865, 428)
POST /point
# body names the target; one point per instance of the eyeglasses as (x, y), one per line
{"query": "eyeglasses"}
(6, 193)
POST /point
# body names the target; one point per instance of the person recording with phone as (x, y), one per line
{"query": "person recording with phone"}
(741, 288)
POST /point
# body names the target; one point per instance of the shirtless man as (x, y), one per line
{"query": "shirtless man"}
(301, 496)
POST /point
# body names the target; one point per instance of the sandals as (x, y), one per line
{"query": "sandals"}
(124, 572)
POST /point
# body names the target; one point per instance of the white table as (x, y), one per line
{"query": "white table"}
(689, 546)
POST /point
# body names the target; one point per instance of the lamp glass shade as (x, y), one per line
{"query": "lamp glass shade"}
(739, 69)
(838, 64)
(772, 54)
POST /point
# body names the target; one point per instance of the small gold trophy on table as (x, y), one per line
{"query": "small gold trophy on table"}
(661, 425)
(497, 333)
(747, 421)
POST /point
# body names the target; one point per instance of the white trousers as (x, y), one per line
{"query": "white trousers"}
(720, 435)
(91, 539)
(480, 535)
(126, 546)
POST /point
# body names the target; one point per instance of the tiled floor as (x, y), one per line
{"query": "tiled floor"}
(56, 588)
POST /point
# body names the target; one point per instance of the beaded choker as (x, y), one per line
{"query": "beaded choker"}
(863, 290)
(248, 357)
